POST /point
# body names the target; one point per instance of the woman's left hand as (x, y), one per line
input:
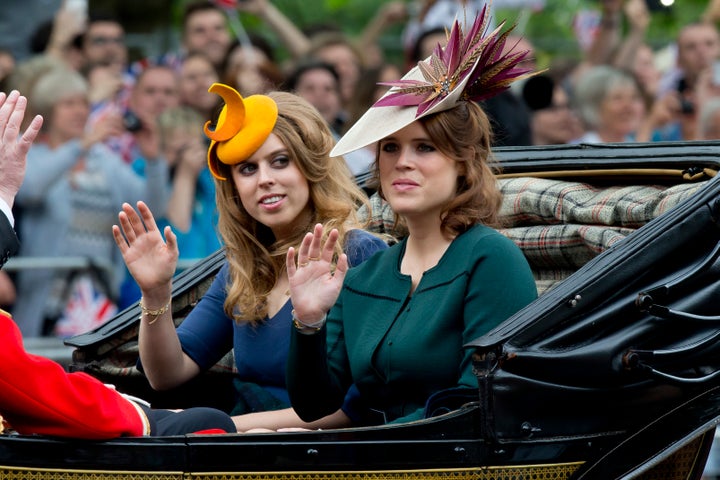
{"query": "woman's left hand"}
(314, 287)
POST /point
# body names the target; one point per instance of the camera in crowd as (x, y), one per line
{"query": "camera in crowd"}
(131, 122)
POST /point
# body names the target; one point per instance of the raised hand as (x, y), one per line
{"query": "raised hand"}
(109, 125)
(14, 148)
(149, 259)
(255, 7)
(193, 157)
(314, 287)
(637, 14)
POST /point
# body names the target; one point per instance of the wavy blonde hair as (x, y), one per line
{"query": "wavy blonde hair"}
(478, 198)
(256, 257)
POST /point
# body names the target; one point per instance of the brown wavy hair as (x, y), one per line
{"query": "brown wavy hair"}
(478, 198)
(256, 257)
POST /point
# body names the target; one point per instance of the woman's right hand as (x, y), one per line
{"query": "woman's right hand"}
(314, 287)
(150, 259)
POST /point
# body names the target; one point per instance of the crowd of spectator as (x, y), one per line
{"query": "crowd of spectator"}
(118, 130)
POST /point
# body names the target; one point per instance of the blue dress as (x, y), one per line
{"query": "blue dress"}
(260, 350)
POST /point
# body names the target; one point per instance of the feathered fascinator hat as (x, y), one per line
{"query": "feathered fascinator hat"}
(472, 67)
(242, 127)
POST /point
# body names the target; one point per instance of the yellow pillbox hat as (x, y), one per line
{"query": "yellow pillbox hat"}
(242, 127)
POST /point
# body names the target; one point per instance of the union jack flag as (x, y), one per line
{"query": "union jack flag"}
(87, 307)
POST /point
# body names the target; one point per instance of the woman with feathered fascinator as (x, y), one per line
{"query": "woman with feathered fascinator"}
(395, 326)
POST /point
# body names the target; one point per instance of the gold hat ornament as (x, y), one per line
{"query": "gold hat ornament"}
(473, 66)
(242, 127)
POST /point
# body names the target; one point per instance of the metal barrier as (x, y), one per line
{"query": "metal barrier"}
(53, 347)
(72, 263)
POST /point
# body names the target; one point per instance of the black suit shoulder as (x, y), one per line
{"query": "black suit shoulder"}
(9, 243)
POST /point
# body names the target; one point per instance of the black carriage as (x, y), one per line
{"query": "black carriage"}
(613, 372)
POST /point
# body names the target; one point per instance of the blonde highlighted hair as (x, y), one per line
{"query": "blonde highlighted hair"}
(256, 257)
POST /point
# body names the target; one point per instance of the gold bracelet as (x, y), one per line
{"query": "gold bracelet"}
(153, 313)
(304, 327)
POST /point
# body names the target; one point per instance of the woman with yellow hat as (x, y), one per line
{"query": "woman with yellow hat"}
(395, 326)
(274, 180)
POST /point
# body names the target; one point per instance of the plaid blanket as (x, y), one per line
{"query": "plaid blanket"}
(537, 201)
(561, 225)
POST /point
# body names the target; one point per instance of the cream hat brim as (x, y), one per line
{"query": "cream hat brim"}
(380, 122)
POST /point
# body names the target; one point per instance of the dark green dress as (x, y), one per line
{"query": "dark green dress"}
(400, 349)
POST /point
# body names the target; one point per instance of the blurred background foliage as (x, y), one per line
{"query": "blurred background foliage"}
(550, 29)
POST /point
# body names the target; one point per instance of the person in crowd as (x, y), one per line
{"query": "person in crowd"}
(684, 91)
(204, 29)
(252, 69)
(27, 73)
(704, 125)
(319, 83)
(634, 54)
(508, 113)
(606, 39)
(196, 75)
(7, 66)
(291, 37)
(630, 53)
(552, 119)
(12, 171)
(72, 188)
(155, 90)
(341, 52)
(191, 210)
(370, 89)
(609, 104)
(436, 16)
(672, 116)
(709, 121)
(348, 55)
(425, 43)
(13, 153)
(106, 63)
(698, 46)
(103, 42)
(394, 327)
(39, 397)
(61, 37)
(647, 73)
(106, 68)
(389, 14)
(299, 42)
(109, 88)
(94, 46)
(274, 179)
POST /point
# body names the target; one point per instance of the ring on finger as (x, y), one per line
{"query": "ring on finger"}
(303, 264)
(313, 259)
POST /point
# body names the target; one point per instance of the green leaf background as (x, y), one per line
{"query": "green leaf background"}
(549, 29)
